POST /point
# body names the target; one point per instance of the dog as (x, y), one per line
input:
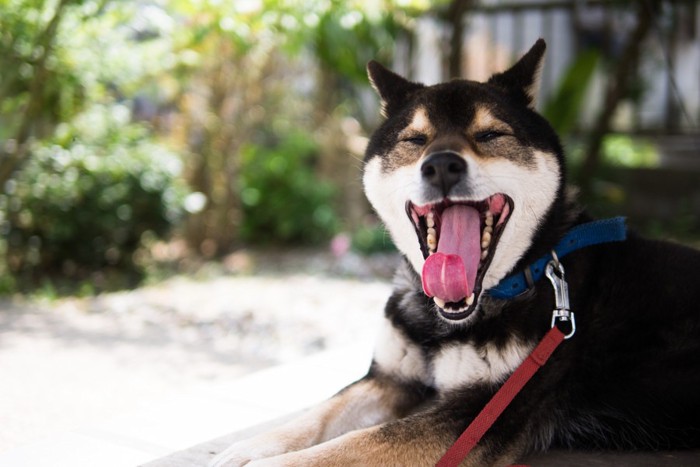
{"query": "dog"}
(470, 181)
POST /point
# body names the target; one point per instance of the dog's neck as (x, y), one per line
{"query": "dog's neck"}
(581, 236)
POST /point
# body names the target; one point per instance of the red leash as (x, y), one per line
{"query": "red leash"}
(527, 369)
(488, 415)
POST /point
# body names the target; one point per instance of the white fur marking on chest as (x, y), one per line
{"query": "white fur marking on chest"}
(398, 356)
(465, 364)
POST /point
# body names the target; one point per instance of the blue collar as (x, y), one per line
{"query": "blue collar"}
(581, 236)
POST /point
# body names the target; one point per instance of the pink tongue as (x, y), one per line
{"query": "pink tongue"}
(450, 273)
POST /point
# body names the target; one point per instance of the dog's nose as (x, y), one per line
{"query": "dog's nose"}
(443, 170)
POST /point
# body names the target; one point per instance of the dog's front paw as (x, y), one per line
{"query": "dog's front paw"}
(231, 457)
(244, 453)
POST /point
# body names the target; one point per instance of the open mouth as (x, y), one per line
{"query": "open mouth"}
(458, 240)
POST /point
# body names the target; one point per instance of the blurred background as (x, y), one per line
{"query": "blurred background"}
(148, 134)
(204, 157)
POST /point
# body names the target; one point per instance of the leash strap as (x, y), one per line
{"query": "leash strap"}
(581, 236)
(503, 397)
(592, 233)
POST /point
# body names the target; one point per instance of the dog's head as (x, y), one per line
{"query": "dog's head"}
(463, 173)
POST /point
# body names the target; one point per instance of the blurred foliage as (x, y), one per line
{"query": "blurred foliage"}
(372, 238)
(86, 198)
(657, 201)
(564, 108)
(624, 151)
(618, 150)
(28, 30)
(252, 69)
(347, 35)
(60, 56)
(82, 183)
(109, 108)
(282, 199)
(238, 89)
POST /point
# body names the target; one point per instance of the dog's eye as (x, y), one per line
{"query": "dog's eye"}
(486, 136)
(418, 140)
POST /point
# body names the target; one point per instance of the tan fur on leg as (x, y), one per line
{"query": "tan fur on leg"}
(363, 404)
(417, 443)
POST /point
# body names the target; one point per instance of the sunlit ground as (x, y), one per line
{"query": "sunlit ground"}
(73, 362)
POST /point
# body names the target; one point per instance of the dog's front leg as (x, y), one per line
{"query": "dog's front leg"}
(417, 440)
(366, 403)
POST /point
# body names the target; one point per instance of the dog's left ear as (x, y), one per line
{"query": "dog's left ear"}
(522, 80)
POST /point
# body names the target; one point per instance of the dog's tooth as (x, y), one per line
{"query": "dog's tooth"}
(430, 220)
(470, 300)
(431, 239)
(484, 254)
(488, 218)
(485, 240)
(488, 229)
(439, 302)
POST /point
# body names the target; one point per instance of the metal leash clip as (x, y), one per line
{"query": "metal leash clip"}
(562, 312)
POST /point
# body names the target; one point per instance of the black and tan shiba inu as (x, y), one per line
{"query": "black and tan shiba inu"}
(470, 183)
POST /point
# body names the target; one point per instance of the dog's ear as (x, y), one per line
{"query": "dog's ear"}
(522, 80)
(391, 87)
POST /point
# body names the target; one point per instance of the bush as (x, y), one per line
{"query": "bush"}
(84, 200)
(283, 200)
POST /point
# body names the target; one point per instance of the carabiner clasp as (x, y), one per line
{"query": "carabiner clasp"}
(562, 312)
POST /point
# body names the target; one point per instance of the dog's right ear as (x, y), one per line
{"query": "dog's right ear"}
(391, 87)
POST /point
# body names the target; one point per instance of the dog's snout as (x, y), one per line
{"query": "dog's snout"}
(443, 170)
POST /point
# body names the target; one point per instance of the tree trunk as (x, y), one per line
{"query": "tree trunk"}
(455, 17)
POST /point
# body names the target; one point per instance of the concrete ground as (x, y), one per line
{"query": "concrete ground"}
(150, 435)
(133, 376)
